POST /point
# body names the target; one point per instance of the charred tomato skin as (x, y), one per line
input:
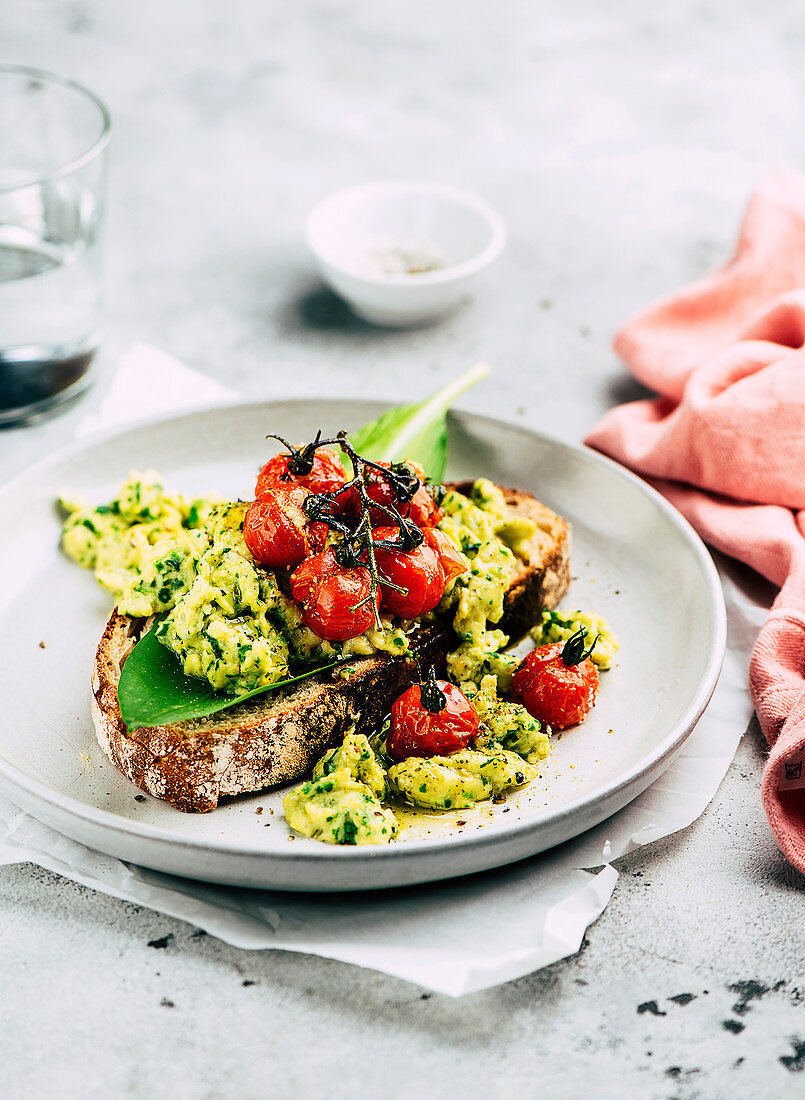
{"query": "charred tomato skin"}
(418, 571)
(276, 530)
(326, 476)
(327, 594)
(421, 507)
(416, 731)
(552, 691)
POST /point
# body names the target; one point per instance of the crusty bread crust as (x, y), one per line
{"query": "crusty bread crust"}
(276, 738)
(262, 742)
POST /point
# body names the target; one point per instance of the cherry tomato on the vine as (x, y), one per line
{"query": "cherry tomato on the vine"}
(326, 476)
(419, 506)
(276, 530)
(328, 594)
(380, 490)
(423, 509)
(417, 731)
(418, 571)
(553, 690)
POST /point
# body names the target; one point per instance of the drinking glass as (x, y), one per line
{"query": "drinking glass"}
(54, 135)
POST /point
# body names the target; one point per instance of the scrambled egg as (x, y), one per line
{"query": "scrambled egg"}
(506, 724)
(159, 554)
(339, 810)
(558, 626)
(143, 546)
(458, 781)
(221, 628)
(490, 535)
(356, 755)
(342, 804)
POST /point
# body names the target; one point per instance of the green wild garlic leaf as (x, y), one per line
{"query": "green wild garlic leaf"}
(154, 691)
(418, 432)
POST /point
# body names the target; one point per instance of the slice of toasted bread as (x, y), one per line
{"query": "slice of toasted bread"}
(276, 738)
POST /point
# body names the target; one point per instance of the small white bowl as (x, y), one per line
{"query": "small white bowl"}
(368, 238)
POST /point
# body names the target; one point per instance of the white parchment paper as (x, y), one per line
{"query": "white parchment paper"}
(456, 937)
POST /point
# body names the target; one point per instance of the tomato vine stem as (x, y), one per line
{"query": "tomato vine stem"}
(357, 547)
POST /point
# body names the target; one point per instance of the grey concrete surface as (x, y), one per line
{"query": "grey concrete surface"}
(620, 141)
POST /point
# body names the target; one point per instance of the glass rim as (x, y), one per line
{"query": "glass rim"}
(78, 162)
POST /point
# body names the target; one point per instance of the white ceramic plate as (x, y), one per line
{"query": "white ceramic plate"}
(634, 560)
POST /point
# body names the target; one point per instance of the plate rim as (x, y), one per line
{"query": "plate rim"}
(479, 839)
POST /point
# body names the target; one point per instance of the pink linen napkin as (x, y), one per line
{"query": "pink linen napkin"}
(725, 443)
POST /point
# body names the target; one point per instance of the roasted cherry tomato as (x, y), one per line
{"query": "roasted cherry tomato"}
(453, 562)
(328, 594)
(325, 476)
(384, 490)
(276, 530)
(424, 510)
(418, 571)
(431, 719)
(557, 683)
